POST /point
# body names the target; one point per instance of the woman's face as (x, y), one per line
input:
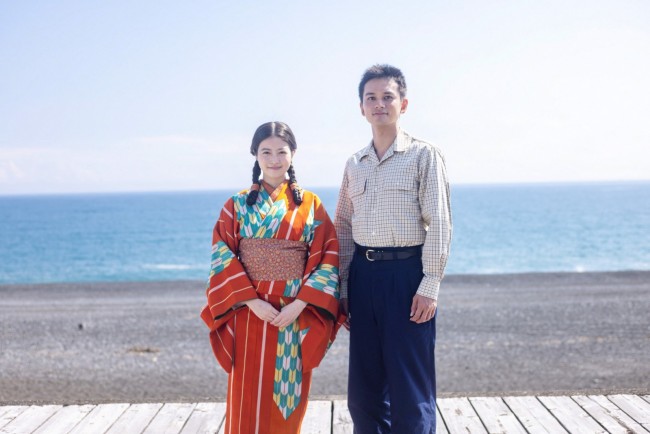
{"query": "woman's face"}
(274, 157)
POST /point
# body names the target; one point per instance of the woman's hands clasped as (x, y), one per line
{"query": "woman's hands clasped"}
(289, 313)
(266, 312)
(262, 309)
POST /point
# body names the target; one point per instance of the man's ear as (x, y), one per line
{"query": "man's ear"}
(363, 113)
(405, 104)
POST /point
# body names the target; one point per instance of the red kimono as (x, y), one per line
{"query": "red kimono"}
(269, 367)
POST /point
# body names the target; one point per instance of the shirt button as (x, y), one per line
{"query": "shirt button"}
(373, 233)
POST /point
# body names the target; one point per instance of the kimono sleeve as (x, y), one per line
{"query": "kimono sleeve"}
(321, 284)
(321, 319)
(228, 283)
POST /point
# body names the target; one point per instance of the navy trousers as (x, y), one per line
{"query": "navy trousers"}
(392, 380)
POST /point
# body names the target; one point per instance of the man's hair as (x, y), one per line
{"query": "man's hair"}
(383, 71)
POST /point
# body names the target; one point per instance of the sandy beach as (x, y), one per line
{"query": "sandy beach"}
(497, 334)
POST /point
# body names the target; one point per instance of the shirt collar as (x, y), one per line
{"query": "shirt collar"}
(402, 141)
(400, 144)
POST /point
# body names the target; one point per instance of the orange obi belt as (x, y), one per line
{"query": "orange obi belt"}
(273, 259)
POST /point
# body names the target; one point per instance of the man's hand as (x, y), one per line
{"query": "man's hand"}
(344, 306)
(289, 313)
(423, 308)
(262, 309)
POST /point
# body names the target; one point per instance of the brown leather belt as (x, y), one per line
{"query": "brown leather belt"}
(388, 253)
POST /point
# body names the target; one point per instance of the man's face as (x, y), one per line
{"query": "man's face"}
(381, 103)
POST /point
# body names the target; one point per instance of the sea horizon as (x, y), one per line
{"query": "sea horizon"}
(317, 187)
(499, 228)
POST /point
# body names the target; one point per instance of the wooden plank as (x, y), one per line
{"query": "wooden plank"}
(612, 418)
(636, 407)
(135, 419)
(459, 416)
(170, 419)
(65, 419)
(441, 428)
(341, 419)
(578, 414)
(571, 415)
(10, 412)
(206, 418)
(100, 418)
(318, 418)
(30, 419)
(496, 416)
(535, 418)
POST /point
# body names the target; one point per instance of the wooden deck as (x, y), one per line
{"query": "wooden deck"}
(522, 414)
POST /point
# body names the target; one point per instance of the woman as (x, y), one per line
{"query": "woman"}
(273, 291)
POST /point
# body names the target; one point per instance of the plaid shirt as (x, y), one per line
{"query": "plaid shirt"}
(402, 200)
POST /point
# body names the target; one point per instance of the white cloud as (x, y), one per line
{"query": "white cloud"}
(149, 163)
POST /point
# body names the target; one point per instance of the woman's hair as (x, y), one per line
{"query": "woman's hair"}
(263, 132)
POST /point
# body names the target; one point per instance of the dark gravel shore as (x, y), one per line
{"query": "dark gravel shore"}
(503, 334)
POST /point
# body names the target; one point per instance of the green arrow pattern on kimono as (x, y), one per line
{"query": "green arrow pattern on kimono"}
(287, 387)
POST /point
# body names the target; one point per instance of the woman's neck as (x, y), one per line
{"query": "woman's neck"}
(275, 183)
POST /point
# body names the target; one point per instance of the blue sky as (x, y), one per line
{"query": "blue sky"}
(138, 96)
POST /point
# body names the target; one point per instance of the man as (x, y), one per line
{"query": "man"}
(394, 225)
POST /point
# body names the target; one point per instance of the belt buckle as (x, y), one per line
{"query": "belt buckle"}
(368, 257)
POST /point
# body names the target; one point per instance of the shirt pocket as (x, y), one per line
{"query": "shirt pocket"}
(357, 192)
(400, 182)
(401, 192)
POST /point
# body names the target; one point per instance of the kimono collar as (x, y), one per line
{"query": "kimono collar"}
(275, 192)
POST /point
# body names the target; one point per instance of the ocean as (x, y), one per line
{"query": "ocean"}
(521, 228)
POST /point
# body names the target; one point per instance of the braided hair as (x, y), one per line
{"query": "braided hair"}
(257, 184)
(293, 184)
(263, 132)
